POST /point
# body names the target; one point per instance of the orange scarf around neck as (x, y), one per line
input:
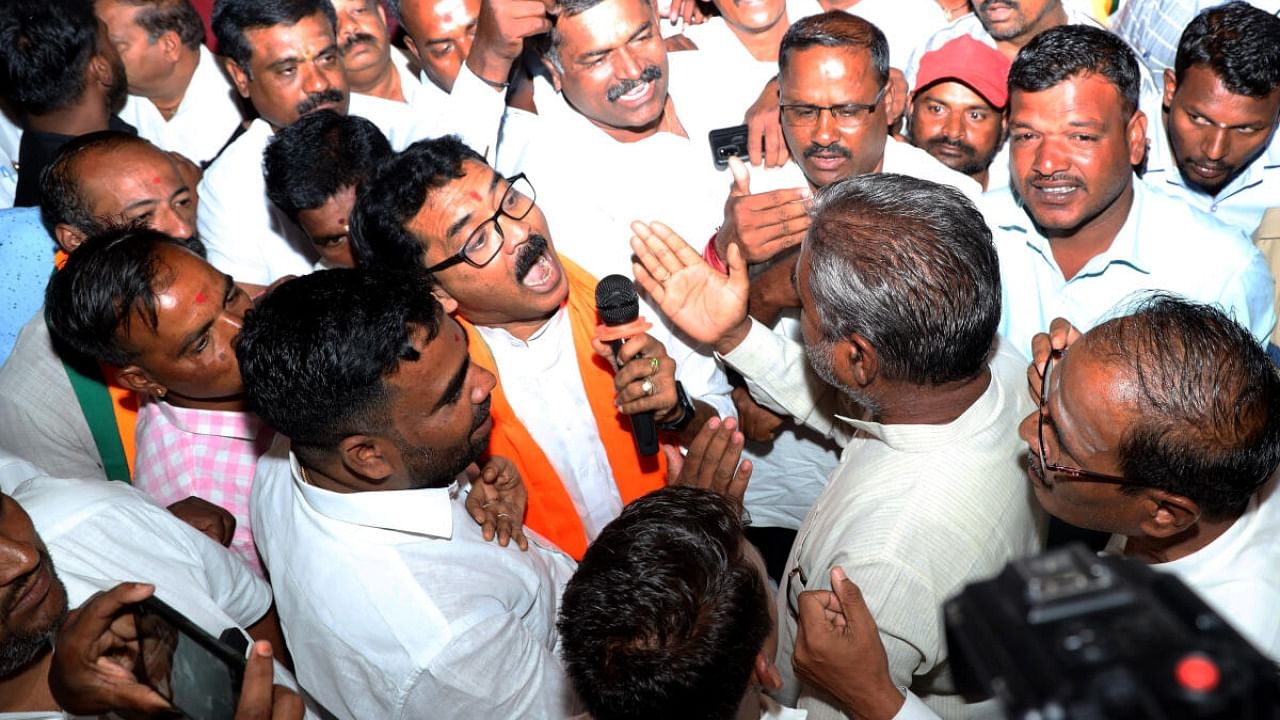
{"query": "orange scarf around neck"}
(551, 512)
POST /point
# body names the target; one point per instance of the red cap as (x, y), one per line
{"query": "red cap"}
(966, 60)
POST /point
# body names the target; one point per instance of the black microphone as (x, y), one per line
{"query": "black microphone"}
(618, 305)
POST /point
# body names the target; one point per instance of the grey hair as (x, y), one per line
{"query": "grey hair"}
(909, 265)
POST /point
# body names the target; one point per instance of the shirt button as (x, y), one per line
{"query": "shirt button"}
(1213, 208)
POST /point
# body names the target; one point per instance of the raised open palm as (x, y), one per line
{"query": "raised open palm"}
(704, 303)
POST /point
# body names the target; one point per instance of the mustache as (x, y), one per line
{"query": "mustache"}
(1210, 164)
(834, 148)
(1056, 178)
(960, 145)
(532, 250)
(360, 37)
(649, 74)
(315, 100)
(986, 4)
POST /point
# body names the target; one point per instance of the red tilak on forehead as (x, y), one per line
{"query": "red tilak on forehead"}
(155, 180)
(201, 298)
(474, 196)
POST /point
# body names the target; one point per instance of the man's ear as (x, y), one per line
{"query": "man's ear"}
(1170, 86)
(100, 70)
(1167, 514)
(861, 361)
(1137, 137)
(366, 456)
(553, 72)
(446, 300)
(171, 46)
(238, 76)
(137, 380)
(895, 96)
(68, 238)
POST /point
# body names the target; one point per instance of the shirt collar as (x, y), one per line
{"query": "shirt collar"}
(426, 511)
(214, 423)
(931, 438)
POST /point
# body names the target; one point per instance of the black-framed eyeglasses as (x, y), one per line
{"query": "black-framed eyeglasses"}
(484, 243)
(845, 115)
(1045, 465)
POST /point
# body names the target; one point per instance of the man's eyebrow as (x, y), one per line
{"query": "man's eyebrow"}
(138, 204)
(462, 221)
(454, 389)
(192, 338)
(641, 30)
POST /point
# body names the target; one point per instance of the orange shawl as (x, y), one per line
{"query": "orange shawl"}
(551, 512)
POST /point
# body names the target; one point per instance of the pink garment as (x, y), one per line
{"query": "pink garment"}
(211, 454)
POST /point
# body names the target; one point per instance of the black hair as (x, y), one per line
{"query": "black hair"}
(1239, 43)
(45, 48)
(323, 152)
(61, 199)
(231, 18)
(837, 29)
(393, 194)
(908, 264)
(548, 44)
(1061, 53)
(314, 353)
(666, 612)
(162, 16)
(110, 278)
(1205, 401)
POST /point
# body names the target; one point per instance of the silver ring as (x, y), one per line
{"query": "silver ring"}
(503, 515)
(647, 387)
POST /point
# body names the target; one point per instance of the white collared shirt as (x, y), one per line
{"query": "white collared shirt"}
(1163, 245)
(1236, 573)
(541, 380)
(250, 239)
(1240, 203)
(394, 606)
(10, 141)
(204, 121)
(912, 513)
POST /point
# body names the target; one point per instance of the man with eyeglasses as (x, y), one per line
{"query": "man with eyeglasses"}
(530, 315)
(1163, 428)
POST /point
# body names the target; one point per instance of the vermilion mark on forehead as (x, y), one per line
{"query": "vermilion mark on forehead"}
(201, 298)
(155, 180)
(474, 195)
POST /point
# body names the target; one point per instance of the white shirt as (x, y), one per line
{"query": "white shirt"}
(912, 513)
(204, 121)
(1150, 97)
(10, 141)
(394, 606)
(1163, 245)
(591, 187)
(1240, 203)
(542, 383)
(248, 238)
(1236, 573)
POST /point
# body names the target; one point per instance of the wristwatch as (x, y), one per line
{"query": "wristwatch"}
(687, 411)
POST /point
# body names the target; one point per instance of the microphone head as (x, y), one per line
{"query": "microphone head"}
(616, 300)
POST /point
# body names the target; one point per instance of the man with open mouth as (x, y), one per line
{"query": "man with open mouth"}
(530, 318)
(1076, 232)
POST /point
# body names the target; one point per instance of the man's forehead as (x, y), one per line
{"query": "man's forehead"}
(456, 199)
(826, 66)
(269, 43)
(608, 24)
(1084, 95)
(126, 175)
(954, 91)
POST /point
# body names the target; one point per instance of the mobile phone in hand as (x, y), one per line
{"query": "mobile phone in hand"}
(200, 675)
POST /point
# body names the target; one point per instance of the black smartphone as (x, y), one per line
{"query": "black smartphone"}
(726, 142)
(200, 675)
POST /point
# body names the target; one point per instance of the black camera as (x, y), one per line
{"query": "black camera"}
(1072, 635)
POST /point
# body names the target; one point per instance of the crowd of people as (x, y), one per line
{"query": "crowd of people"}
(301, 334)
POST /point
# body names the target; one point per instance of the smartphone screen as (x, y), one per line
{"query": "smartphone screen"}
(199, 674)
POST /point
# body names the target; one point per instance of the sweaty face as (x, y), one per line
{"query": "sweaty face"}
(1016, 20)
(1213, 133)
(957, 126)
(831, 149)
(1083, 420)
(751, 16)
(614, 65)
(362, 36)
(439, 410)
(199, 312)
(144, 60)
(440, 35)
(138, 182)
(294, 70)
(1072, 148)
(326, 226)
(524, 282)
(33, 601)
